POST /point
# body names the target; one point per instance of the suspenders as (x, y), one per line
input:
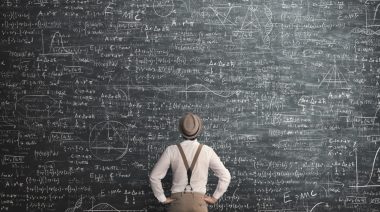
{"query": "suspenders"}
(189, 169)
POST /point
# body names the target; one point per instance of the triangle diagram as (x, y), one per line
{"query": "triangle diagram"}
(334, 79)
(250, 21)
(223, 13)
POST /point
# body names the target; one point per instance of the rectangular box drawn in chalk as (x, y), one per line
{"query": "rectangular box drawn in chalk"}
(245, 34)
(247, 138)
(12, 159)
(9, 136)
(61, 136)
(371, 138)
(363, 120)
(128, 25)
(36, 106)
(72, 69)
(356, 200)
(375, 201)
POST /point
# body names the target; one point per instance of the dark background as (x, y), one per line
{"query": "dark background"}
(92, 90)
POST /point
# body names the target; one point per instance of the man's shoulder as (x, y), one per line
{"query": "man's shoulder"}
(206, 146)
(174, 146)
(170, 147)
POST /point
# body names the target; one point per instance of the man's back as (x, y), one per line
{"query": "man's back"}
(206, 159)
(189, 182)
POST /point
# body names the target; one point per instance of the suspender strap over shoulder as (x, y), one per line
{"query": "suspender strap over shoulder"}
(189, 169)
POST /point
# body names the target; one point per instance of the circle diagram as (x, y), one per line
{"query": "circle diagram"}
(163, 8)
(108, 140)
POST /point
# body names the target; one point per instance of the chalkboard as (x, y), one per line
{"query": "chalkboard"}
(92, 90)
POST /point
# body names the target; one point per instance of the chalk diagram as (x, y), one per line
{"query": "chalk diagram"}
(223, 14)
(108, 140)
(198, 88)
(57, 44)
(255, 19)
(101, 207)
(374, 175)
(372, 17)
(334, 79)
(251, 23)
(163, 8)
(36, 106)
(315, 207)
(377, 116)
(319, 204)
(77, 205)
(372, 13)
(57, 49)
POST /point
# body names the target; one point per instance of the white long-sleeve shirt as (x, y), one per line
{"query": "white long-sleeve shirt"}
(172, 157)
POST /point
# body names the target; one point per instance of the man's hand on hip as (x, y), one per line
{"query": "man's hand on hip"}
(168, 200)
(210, 200)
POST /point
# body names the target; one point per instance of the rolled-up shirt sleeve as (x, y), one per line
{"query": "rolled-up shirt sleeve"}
(158, 173)
(222, 173)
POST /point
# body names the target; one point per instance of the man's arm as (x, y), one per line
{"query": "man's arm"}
(158, 173)
(222, 173)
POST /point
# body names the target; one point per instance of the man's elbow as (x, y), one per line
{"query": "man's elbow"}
(153, 179)
(228, 177)
(225, 177)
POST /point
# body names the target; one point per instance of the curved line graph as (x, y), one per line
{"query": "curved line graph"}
(376, 116)
(374, 15)
(56, 42)
(370, 177)
(371, 20)
(101, 207)
(199, 88)
(373, 166)
(316, 206)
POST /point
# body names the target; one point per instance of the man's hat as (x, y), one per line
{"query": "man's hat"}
(190, 125)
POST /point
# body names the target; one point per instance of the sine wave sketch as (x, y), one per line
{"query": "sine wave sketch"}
(199, 88)
(103, 207)
(100, 207)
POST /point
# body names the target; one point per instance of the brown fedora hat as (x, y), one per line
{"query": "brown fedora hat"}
(190, 125)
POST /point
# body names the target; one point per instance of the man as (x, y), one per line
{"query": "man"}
(189, 182)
